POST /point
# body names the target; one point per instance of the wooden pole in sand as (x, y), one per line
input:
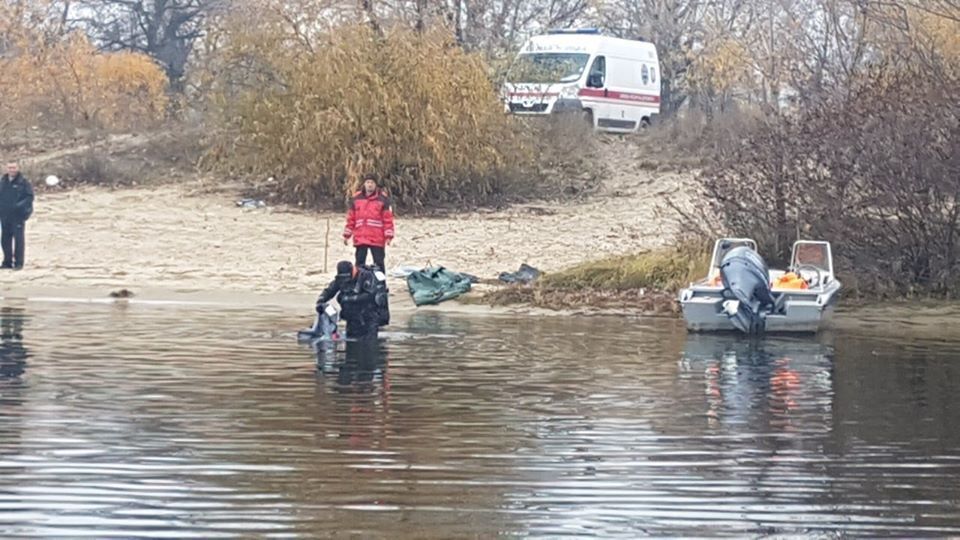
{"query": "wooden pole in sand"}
(326, 246)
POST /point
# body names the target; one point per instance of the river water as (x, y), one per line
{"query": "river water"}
(194, 422)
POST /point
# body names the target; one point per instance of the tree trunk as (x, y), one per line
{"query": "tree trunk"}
(420, 23)
(367, 7)
(780, 207)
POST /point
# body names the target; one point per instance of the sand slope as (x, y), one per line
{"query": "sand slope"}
(182, 239)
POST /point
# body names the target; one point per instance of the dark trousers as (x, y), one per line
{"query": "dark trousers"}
(11, 238)
(379, 253)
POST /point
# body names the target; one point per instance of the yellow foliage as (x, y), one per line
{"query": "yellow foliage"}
(57, 80)
(317, 108)
(937, 35)
(912, 34)
(719, 68)
(129, 88)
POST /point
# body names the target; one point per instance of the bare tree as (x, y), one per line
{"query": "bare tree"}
(948, 9)
(42, 19)
(164, 29)
(871, 171)
(490, 26)
(917, 31)
(830, 46)
(675, 26)
(500, 24)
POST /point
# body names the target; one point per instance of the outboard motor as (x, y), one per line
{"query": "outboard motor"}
(746, 288)
(324, 326)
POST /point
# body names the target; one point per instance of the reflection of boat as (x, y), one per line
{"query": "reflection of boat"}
(750, 379)
(797, 299)
(721, 347)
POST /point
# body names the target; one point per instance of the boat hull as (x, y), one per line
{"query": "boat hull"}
(804, 312)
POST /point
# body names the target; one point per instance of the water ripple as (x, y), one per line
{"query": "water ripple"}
(190, 422)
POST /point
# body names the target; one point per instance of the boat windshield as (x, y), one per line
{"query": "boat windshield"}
(812, 254)
(542, 68)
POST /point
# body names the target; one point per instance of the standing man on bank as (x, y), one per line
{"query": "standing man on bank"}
(16, 207)
(370, 223)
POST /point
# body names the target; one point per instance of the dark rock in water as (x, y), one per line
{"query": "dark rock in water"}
(122, 293)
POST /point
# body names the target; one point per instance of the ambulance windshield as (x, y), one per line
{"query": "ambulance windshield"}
(540, 68)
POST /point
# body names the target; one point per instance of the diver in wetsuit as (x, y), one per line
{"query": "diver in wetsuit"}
(362, 300)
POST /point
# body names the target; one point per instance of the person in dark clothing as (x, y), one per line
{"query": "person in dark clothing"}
(16, 207)
(355, 288)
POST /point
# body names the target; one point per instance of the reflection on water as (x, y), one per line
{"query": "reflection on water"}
(169, 422)
(762, 382)
(13, 365)
(13, 355)
(357, 364)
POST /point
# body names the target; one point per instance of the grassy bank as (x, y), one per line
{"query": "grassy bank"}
(645, 283)
(648, 283)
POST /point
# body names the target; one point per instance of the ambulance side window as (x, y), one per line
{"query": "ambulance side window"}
(598, 72)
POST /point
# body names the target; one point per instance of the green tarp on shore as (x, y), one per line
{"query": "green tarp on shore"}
(435, 285)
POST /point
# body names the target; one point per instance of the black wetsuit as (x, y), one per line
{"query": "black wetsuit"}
(358, 307)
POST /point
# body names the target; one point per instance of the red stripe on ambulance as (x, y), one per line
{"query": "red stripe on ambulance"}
(619, 96)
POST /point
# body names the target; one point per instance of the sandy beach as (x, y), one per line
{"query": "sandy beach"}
(187, 238)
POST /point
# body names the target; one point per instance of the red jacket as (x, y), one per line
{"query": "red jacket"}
(369, 220)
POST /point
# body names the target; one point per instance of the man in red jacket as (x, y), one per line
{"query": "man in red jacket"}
(370, 223)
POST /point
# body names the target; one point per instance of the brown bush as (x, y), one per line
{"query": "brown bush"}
(876, 171)
(316, 111)
(63, 82)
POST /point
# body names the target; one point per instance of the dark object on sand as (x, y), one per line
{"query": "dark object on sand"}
(525, 274)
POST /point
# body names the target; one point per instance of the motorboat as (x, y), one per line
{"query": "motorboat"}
(741, 294)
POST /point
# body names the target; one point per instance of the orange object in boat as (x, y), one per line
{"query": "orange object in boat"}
(790, 280)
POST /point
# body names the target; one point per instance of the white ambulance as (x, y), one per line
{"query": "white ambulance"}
(614, 82)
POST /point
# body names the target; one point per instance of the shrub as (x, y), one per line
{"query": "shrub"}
(66, 83)
(317, 110)
(873, 171)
